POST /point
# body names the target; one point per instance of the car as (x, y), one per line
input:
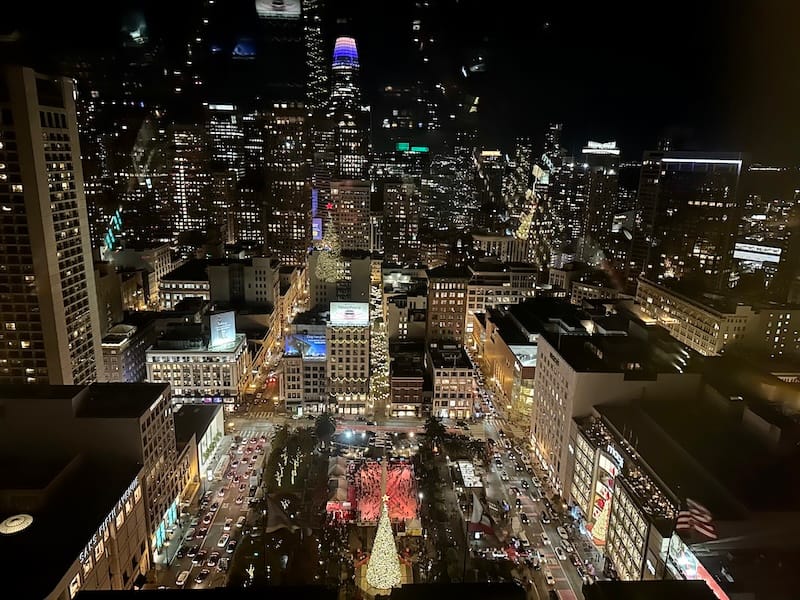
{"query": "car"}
(228, 524)
(499, 553)
(234, 464)
(560, 553)
(240, 521)
(220, 493)
(524, 518)
(518, 503)
(544, 517)
(518, 466)
(524, 483)
(222, 566)
(545, 539)
(200, 557)
(194, 521)
(190, 532)
(223, 540)
(182, 577)
(242, 487)
(567, 546)
(213, 559)
(504, 476)
(208, 518)
(373, 423)
(193, 550)
(515, 490)
(548, 576)
(231, 546)
(239, 499)
(202, 576)
(201, 533)
(576, 562)
(562, 533)
(547, 503)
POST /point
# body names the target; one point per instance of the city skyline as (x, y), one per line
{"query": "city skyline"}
(595, 69)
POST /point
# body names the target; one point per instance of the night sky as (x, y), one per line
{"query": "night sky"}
(712, 74)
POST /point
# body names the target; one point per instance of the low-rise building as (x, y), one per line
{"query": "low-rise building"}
(190, 280)
(198, 431)
(453, 382)
(305, 366)
(348, 347)
(200, 370)
(407, 380)
(706, 323)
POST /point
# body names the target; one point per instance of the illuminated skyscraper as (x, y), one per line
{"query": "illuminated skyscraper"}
(345, 91)
(349, 209)
(287, 212)
(687, 216)
(49, 323)
(189, 182)
(317, 83)
(350, 118)
(601, 199)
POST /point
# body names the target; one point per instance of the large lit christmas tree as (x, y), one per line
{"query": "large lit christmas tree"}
(330, 267)
(383, 569)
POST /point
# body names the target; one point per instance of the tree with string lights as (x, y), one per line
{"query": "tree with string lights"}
(383, 568)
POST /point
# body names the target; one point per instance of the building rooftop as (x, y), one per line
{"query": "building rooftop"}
(193, 419)
(455, 358)
(449, 272)
(118, 400)
(649, 590)
(195, 269)
(67, 511)
(719, 303)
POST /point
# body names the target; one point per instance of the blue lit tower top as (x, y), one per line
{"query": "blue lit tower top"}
(345, 53)
(345, 92)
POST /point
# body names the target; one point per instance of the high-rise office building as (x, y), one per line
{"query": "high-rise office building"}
(602, 159)
(347, 339)
(317, 74)
(351, 120)
(287, 213)
(349, 209)
(401, 221)
(49, 323)
(189, 183)
(688, 213)
(224, 129)
(447, 305)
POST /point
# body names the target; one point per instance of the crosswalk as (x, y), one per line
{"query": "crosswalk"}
(264, 414)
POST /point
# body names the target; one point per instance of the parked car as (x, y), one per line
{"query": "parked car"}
(223, 540)
(560, 553)
(231, 546)
(228, 524)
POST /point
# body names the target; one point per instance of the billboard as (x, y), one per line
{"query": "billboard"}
(316, 228)
(344, 314)
(758, 253)
(278, 9)
(223, 328)
(308, 345)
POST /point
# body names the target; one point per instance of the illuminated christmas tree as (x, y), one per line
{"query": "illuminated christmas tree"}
(330, 267)
(600, 528)
(383, 569)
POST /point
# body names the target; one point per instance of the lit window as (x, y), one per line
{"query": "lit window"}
(16, 188)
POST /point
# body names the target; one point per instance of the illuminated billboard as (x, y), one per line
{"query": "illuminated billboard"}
(278, 9)
(316, 228)
(223, 328)
(346, 314)
(757, 253)
(526, 355)
(308, 345)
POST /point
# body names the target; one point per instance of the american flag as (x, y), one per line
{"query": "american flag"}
(698, 518)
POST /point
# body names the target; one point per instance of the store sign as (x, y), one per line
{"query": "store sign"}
(615, 455)
(97, 537)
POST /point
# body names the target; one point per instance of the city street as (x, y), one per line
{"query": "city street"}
(217, 525)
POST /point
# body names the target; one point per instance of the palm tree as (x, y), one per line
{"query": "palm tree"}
(324, 427)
